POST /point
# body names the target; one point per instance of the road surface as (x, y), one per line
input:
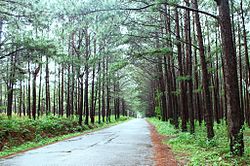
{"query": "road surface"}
(126, 144)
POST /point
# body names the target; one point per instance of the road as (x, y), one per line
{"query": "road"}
(126, 144)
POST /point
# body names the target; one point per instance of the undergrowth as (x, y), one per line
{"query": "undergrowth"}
(19, 134)
(195, 149)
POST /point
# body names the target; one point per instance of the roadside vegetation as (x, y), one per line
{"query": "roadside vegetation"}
(195, 149)
(20, 134)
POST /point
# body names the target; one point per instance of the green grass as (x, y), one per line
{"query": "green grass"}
(197, 150)
(20, 134)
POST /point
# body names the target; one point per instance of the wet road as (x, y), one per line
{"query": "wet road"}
(127, 144)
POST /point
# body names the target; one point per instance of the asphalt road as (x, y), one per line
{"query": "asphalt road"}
(126, 144)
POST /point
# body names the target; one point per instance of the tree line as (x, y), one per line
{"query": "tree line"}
(199, 63)
(63, 70)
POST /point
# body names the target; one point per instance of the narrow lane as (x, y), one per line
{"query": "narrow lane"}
(127, 144)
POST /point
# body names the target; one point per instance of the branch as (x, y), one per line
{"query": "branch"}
(136, 9)
(12, 15)
(193, 10)
(13, 2)
(3, 56)
(148, 6)
(36, 71)
(175, 5)
(154, 4)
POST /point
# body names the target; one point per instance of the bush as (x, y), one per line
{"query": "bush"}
(16, 131)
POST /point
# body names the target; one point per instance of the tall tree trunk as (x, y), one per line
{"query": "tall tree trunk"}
(80, 111)
(118, 98)
(29, 92)
(198, 109)
(68, 93)
(123, 108)
(1, 86)
(39, 91)
(24, 99)
(103, 89)
(212, 79)
(10, 97)
(86, 92)
(20, 98)
(108, 90)
(99, 91)
(54, 102)
(92, 110)
(235, 115)
(59, 90)
(73, 89)
(247, 111)
(205, 77)
(61, 111)
(10, 85)
(189, 62)
(1, 97)
(34, 93)
(182, 84)
(162, 91)
(167, 61)
(47, 86)
(240, 71)
(224, 88)
(86, 98)
(43, 103)
(216, 85)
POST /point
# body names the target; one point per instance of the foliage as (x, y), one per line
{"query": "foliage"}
(197, 149)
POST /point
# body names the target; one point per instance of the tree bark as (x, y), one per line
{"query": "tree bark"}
(39, 91)
(92, 110)
(205, 77)
(29, 92)
(189, 67)
(61, 111)
(86, 98)
(47, 86)
(234, 114)
(182, 84)
(34, 93)
(99, 92)
(247, 113)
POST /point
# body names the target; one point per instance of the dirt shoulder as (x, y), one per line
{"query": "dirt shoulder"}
(163, 155)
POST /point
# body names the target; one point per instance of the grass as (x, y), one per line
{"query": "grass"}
(195, 149)
(21, 134)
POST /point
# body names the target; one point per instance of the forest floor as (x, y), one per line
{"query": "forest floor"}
(195, 149)
(126, 144)
(22, 134)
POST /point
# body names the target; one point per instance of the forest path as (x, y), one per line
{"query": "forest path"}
(126, 144)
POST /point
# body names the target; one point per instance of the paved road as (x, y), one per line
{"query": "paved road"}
(127, 144)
